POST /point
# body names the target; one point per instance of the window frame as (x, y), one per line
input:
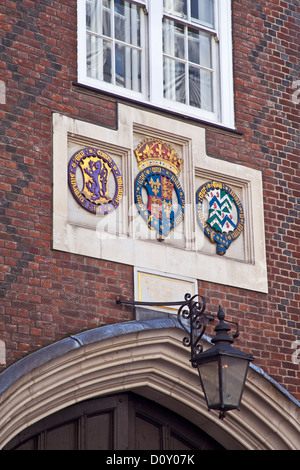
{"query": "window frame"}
(186, 108)
(152, 69)
(83, 78)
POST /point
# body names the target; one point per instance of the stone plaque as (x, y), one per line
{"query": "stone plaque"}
(152, 286)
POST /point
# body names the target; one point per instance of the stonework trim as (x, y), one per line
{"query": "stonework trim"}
(147, 358)
(189, 256)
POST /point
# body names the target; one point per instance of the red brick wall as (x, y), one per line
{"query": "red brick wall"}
(46, 294)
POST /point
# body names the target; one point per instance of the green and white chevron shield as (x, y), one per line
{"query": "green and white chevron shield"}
(220, 216)
(225, 219)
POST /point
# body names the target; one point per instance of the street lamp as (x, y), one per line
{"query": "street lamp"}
(222, 368)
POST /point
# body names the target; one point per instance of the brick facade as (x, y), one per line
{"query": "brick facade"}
(46, 294)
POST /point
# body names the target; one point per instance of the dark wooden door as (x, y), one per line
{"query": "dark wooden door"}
(118, 422)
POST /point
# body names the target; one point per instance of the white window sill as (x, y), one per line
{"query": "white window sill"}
(164, 105)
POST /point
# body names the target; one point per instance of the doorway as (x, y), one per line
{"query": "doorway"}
(124, 421)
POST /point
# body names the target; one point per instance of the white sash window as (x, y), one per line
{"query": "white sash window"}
(174, 54)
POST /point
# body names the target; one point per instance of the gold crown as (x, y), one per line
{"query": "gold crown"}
(154, 152)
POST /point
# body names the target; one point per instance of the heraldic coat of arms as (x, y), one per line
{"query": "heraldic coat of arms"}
(225, 219)
(92, 190)
(159, 168)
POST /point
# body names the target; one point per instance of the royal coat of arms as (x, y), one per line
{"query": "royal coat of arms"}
(90, 173)
(225, 216)
(159, 168)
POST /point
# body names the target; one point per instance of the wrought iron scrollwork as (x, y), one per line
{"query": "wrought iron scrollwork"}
(191, 317)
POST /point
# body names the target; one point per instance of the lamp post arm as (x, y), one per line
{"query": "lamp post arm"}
(190, 316)
(137, 303)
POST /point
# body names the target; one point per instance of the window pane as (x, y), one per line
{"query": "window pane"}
(106, 62)
(198, 11)
(128, 67)
(127, 22)
(178, 7)
(174, 80)
(194, 87)
(88, 19)
(199, 47)
(200, 88)
(98, 18)
(202, 11)
(106, 25)
(99, 58)
(173, 39)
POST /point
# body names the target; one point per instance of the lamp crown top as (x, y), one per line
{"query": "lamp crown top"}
(221, 314)
(222, 328)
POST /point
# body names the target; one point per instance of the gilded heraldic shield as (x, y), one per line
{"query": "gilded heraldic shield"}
(95, 181)
(225, 219)
(159, 168)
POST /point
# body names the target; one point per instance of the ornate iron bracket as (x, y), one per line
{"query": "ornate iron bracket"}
(192, 311)
(192, 318)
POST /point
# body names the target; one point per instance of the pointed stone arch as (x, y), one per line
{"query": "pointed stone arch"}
(147, 358)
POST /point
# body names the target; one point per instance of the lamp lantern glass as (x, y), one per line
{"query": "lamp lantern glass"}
(223, 379)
